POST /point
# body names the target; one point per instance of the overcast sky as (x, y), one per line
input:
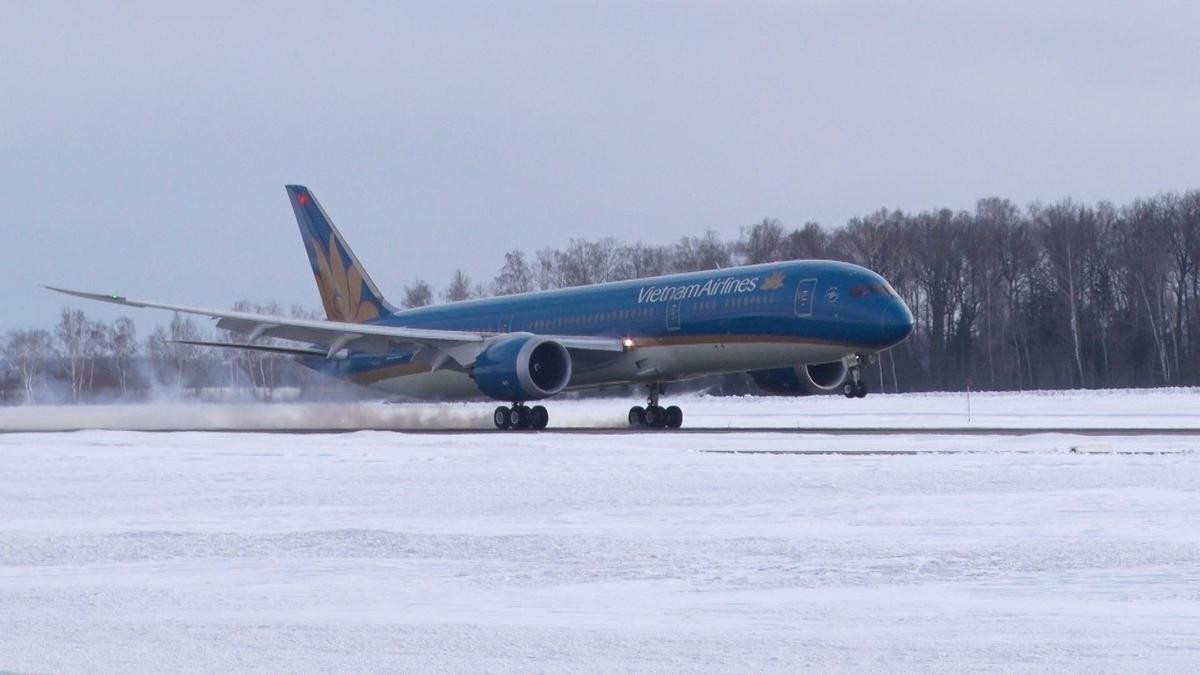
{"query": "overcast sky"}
(144, 147)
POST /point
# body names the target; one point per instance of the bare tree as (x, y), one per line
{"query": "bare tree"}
(158, 351)
(694, 254)
(808, 242)
(877, 242)
(939, 261)
(72, 333)
(301, 312)
(640, 260)
(177, 363)
(417, 294)
(549, 272)
(123, 342)
(1143, 248)
(762, 242)
(1066, 230)
(1182, 225)
(262, 367)
(515, 276)
(581, 263)
(95, 347)
(27, 351)
(459, 288)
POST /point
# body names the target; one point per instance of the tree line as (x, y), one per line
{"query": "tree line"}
(1005, 297)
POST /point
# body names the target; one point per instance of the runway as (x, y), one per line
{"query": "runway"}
(1163, 413)
(619, 431)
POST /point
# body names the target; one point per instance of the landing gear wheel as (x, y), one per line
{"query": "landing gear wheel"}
(500, 418)
(655, 416)
(849, 389)
(637, 416)
(673, 416)
(861, 390)
(518, 417)
(539, 417)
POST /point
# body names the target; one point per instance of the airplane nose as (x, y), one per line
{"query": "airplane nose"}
(896, 323)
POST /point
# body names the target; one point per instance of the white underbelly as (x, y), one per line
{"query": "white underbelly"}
(443, 385)
(680, 362)
(643, 364)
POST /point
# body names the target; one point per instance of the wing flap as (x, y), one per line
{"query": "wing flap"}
(590, 343)
(275, 349)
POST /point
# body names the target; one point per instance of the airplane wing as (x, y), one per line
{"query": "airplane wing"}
(334, 336)
(273, 349)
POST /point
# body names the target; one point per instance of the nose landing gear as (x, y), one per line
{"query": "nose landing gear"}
(521, 416)
(854, 386)
(653, 415)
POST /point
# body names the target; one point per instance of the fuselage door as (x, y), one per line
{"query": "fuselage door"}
(804, 296)
(673, 314)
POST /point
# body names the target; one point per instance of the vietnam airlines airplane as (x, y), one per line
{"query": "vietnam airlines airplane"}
(796, 327)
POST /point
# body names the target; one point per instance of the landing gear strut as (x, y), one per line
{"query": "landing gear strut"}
(654, 415)
(854, 386)
(521, 416)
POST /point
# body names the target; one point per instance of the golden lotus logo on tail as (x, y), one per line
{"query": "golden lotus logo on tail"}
(340, 288)
(773, 282)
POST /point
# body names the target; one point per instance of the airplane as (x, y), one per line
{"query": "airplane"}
(805, 326)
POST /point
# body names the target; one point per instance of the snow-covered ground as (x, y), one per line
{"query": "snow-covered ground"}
(599, 553)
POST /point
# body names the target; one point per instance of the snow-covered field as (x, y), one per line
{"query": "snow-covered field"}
(599, 553)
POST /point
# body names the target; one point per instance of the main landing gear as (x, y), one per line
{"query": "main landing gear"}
(654, 415)
(521, 416)
(854, 389)
(854, 386)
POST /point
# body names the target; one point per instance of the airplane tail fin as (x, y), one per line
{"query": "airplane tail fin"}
(346, 290)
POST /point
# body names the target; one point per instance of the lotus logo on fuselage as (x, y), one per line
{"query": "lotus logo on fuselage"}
(773, 282)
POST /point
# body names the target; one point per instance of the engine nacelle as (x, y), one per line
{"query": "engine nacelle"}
(814, 378)
(522, 367)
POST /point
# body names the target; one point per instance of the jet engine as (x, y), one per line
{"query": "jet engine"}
(522, 367)
(814, 378)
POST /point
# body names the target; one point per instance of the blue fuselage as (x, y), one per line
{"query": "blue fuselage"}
(819, 301)
(675, 327)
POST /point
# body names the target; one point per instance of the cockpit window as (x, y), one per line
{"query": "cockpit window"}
(864, 290)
